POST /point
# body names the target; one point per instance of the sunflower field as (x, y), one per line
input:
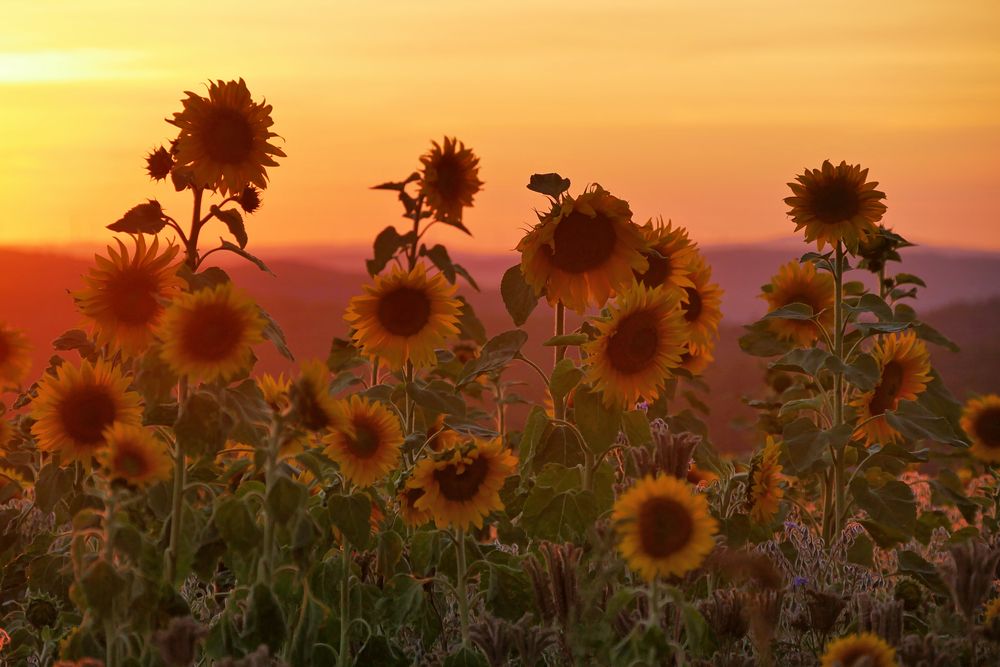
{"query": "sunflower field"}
(405, 502)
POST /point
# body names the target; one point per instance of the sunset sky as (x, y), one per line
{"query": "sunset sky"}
(696, 110)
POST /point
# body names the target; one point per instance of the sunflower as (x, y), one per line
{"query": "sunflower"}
(800, 283)
(125, 295)
(408, 511)
(15, 356)
(462, 486)
(12, 484)
(702, 306)
(904, 371)
(450, 179)
(583, 250)
(764, 493)
(135, 456)
(665, 528)
(440, 437)
(836, 204)
(76, 406)
(700, 477)
(992, 611)
(404, 316)
(864, 648)
(224, 139)
(209, 334)
(275, 390)
(311, 400)
(638, 346)
(671, 256)
(368, 448)
(981, 421)
(696, 361)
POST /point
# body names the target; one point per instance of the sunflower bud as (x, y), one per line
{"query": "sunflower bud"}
(909, 593)
(159, 163)
(42, 612)
(249, 199)
(672, 452)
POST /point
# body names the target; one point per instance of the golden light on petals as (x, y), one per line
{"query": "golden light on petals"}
(904, 371)
(696, 361)
(800, 283)
(404, 316)
(584, 250)
(462, 486)
(450, 179)
(702, 306)
(125, 295)
(312, 404)
(367, 447)
(75, 408)
(992, 611)
(981, 422)
(765, 493)
(15, 356)
(208, 334)
(412, 516)
(664, 527)
(835, 204)
(225, 140)
(859, 649)
(639, 345)
(135, 456)
(275, 390)
(672, 256)
(12, 484)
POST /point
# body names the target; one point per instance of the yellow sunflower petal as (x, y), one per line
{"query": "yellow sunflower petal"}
(15, 356)
(981, 421)
(800, 283)
(863, 648)
(450, 179)
(369, 448)
(135, 456)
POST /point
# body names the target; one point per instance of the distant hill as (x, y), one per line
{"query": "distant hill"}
(309, 291)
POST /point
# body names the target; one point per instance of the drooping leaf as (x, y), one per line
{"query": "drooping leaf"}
(351, 515)
(496, 353)
(145, 218)
(518, 296)
(550, 184)
(598, 423)
(234, 222)
(565, 376)
(253, 259)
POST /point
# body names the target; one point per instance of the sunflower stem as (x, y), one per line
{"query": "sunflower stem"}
(463, 602)
(267, 555)
(176, 509)
(343, 655)
(654, 603)
(838, 388)
(559, 402)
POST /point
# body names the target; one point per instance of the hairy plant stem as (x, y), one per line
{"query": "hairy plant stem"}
(654, 603)
(110, 656)
(343, 655)
(266, 567)
(559, 402)
(838, 390)
(460, 588)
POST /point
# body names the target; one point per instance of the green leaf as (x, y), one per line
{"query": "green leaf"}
(466, 657)
(496, 353)
(202, 427)
(869, 328)
(233, 221)
(438, 255)
(863, 372)
(598, 424)
(560, 516)
(913, 564)
(804, 445)
(265, 621)
(793, 311)
(916, 422)
(236, 525)
(567, 339)
(52, 485)
(908, 279)
(343, 356)
(862, 551)
(891, 507)
(437, 396)
(101, 583)
(387, 243)
(253, 259)
(534, 430)
(469, 324)
(760, 341)
(551, 184)
(565, 376)
(284, 499)
(273, 333)
(871, 303)
(635, 423)
(518, 296)
(145, 218)
(351, 514)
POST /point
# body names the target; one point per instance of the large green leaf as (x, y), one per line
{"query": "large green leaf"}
(351, 514)
(560, 516)
(565, 376)
(496, 354)
(916, 422)
(518, 296)
(598, 423)
(891, 507)
(804, 444)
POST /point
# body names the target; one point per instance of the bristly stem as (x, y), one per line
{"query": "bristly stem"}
(343, 656)
(463, 602)
(559, 402)
(838, 388)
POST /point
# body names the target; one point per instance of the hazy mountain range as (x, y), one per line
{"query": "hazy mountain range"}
(311, 287)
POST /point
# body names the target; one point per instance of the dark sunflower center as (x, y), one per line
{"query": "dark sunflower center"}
(658, 271)
(228, 136)
(692, 309)
(461, 486)
(634, 343)
(314, 417)
(365, 442)
(213, 332)
(405, 311)
(834, 200)
(665, 527)
(884, 397)
(582, 243)
(987, 427)
(413, 495)
(131, 463)
(86, 412)
(857, 655)
(132, 297)
(450, 177)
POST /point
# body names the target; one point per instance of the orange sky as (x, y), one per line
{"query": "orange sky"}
(697, 110)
